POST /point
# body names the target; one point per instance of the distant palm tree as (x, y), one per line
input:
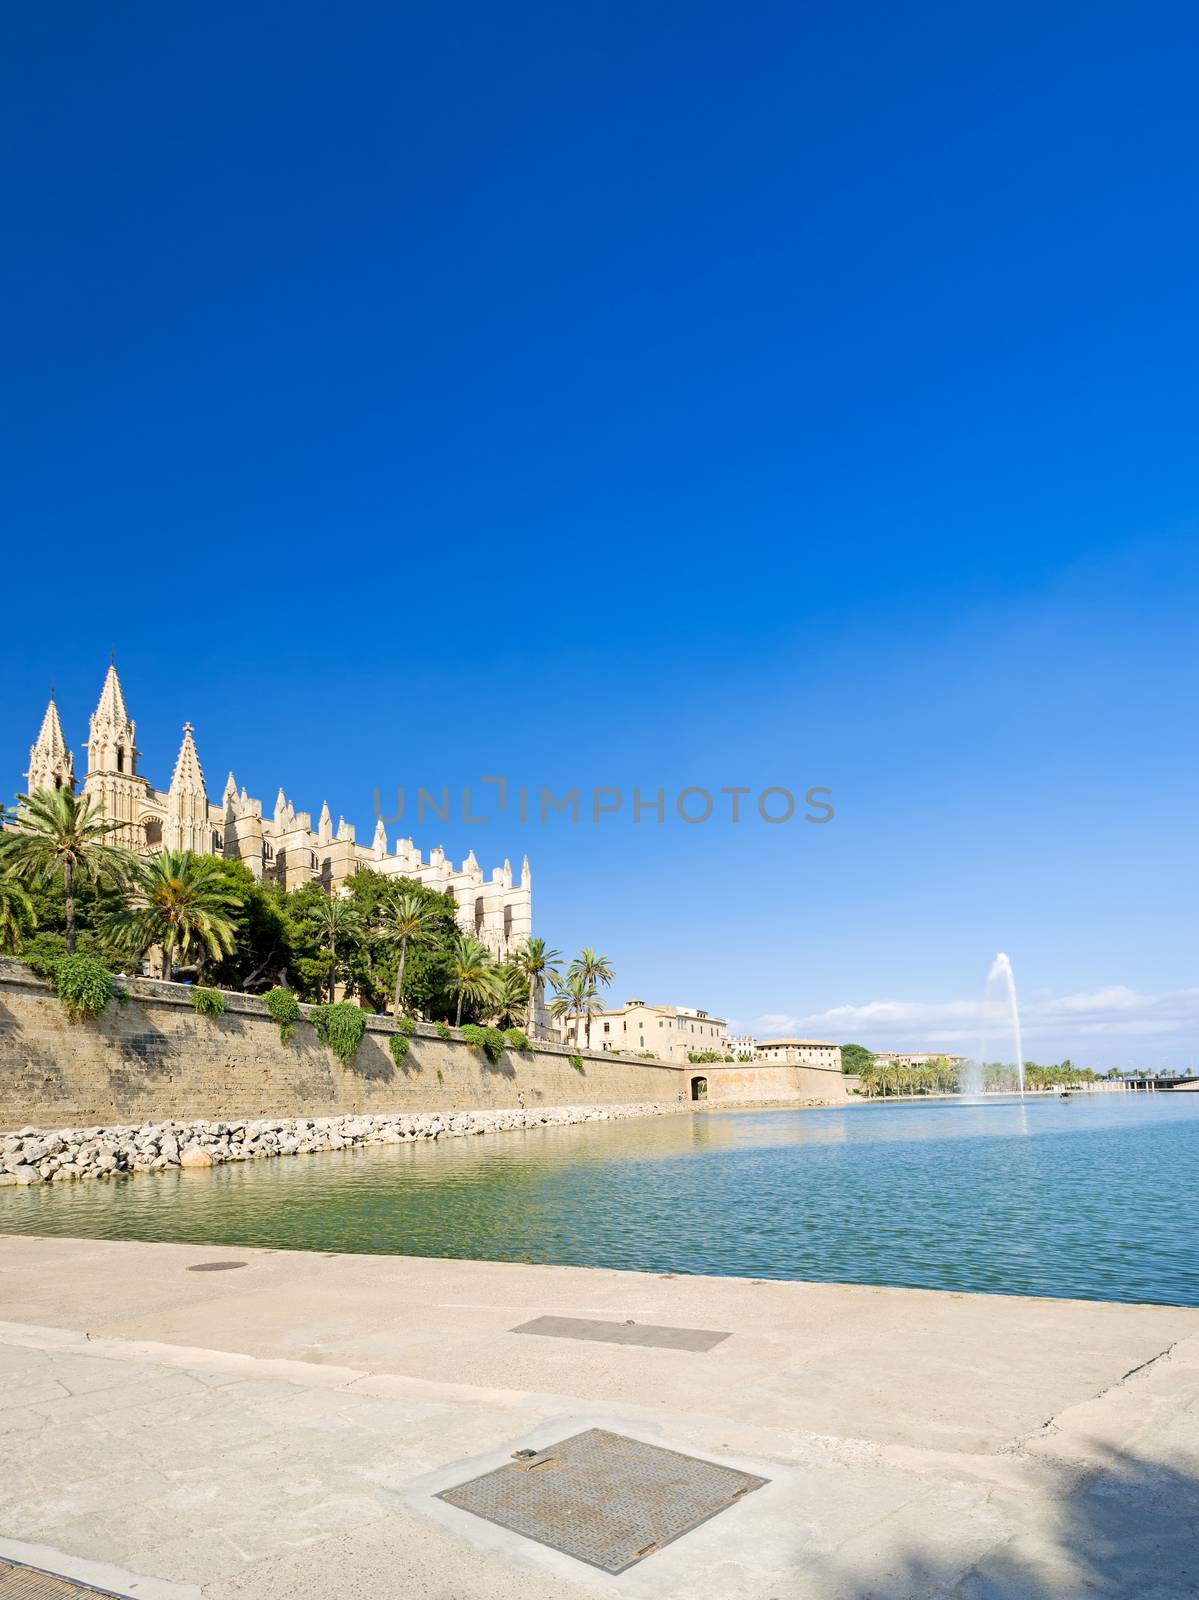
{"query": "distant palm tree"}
(179, 902)
(572, 996)
(593, 969)
(472, 973)
(63, 835)
(16, 915)
(406, 919)
(537, 964)
(336, 918)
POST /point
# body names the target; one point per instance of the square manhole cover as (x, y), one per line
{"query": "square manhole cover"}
(602, 1498)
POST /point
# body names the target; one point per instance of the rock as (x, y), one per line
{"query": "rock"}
(194, 1156)
(25, 1174)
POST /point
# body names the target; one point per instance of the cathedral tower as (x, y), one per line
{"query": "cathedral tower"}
(112, 778)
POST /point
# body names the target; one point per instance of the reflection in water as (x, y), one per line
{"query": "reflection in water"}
(1092, 1197)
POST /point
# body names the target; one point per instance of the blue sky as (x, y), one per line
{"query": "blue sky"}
(659, 396)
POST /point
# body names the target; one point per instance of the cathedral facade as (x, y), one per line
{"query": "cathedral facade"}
(280, 847)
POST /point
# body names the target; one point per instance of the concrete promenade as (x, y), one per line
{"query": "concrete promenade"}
(280, 1430)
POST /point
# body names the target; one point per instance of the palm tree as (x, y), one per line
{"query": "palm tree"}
(572, 996)
(536, 963)
(406, 919)
(593, 969)
(16, 915)
(180, 901)
(63, 835)
(511, 995)
(472, 974)
(336, 918)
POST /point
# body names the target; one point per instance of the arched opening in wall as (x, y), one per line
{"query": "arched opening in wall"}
(218, 843)
(478, 913)
(699, 1088)
(120, 758)
(153, 831)
(507, 922)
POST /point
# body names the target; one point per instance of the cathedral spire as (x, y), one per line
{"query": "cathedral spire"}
(189, 776)
(187, 826)
(51, 764)
(324, 827)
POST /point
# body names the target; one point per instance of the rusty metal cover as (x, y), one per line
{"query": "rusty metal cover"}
(603, 1498)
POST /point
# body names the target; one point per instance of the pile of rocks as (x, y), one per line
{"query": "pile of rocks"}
(36, 1156)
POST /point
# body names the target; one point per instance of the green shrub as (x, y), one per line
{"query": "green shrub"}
(576, 1062)
(339, 1028)
(406, 1026)
(208, 1002)
(440, 1079)
(443, 1029)
(43, 952)
(489, 1040)
(398, 1046)
(83, 984)
(285, 1008)
(515, 1039)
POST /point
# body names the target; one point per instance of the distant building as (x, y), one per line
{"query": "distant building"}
(799, 1053)
(282, 846)
(743, 1044)
(671, 1033)
(915, 1058)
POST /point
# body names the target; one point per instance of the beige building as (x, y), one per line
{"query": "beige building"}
(669, 1033)
(281, 846)
(799, 1053)
(915, 1058)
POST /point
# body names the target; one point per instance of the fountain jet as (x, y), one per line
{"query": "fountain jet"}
(999, 1061)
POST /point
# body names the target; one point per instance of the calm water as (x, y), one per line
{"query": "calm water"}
(1089, 1198)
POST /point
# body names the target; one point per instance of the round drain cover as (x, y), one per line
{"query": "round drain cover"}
(216, 1266)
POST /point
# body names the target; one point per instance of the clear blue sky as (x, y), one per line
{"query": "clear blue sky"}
(669, 395)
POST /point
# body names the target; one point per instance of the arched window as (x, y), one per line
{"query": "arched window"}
(507, 922)
(478, 913)
(120, 758)
(153, 829)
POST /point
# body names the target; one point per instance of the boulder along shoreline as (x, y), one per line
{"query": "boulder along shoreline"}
(35, 1155)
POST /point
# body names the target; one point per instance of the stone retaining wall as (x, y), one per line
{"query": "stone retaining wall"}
(154, 1057)
(770, 1081)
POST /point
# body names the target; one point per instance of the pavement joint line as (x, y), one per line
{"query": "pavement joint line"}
(301, 1374)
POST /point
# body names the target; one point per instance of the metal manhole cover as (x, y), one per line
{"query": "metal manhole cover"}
(216, 1266)
(31, 1583)
(602, 1498)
